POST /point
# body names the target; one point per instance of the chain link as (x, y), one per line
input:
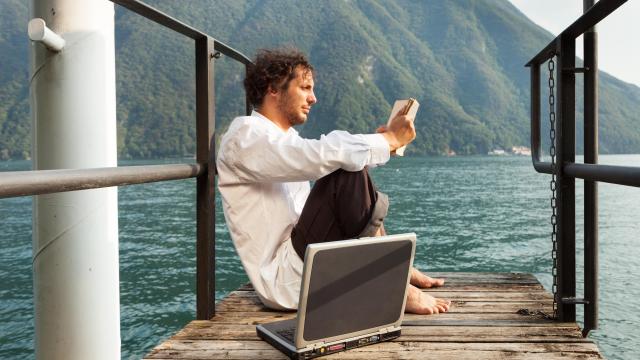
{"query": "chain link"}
(552, 185)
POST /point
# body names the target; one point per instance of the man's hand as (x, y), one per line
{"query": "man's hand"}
(400, 132)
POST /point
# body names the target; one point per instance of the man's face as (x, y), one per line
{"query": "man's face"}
(296, 100)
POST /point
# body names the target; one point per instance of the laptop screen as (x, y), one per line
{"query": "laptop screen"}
(356, 288)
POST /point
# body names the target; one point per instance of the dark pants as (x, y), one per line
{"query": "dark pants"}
(342, 205)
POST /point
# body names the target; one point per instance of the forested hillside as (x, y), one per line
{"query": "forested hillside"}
(462, 59)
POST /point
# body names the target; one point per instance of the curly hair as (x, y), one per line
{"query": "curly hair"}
(273, 68)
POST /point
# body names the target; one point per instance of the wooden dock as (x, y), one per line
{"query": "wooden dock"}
(494, 316)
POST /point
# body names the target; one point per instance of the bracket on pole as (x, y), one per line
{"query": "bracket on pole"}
(38, 31)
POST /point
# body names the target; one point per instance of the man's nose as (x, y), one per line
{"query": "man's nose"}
(312, 99)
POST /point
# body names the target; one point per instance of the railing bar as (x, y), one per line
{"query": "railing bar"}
(620, 175)
(539, 166)
(598, 12)
(231, 52)
(165, 20)
(161, 18)
(38, 182)
(545, 54)
(543, 167)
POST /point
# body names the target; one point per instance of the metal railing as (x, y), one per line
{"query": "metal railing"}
(565, 168)
(27, 183)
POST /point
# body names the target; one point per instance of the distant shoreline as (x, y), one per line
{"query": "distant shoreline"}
(4, 164)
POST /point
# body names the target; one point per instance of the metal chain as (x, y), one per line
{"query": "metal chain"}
(552, 185)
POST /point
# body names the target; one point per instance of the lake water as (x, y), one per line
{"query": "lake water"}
(470, 214)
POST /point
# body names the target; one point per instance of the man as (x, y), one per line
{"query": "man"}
(264, 171)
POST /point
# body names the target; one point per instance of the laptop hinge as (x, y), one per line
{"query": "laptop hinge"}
(390, 329)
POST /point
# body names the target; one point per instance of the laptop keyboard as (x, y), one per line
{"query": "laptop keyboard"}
(287, 333)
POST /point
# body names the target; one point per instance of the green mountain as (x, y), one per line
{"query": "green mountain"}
(462, 59)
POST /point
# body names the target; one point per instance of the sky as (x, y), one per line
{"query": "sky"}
(618, 34)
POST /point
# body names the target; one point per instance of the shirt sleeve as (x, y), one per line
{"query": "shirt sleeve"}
(255, 155)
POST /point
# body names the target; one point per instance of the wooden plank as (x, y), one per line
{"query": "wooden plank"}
(545, 306)
(476, 316)
(467, 278)
(480, 274)
(418, 321)
(497, 287)
(253, 317)
(470, 286)
(245, 297)
(394, 350)
(258, 317)
(356, 354)
(491, 334)
(484, 322)
(207, 330)
(491, 296)
(477, 295)
(583, 347)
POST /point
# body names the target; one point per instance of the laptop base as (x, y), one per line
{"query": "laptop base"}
(268, 333)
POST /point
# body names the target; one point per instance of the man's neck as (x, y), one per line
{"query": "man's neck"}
(275, 117)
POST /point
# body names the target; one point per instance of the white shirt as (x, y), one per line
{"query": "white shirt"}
(264, 175)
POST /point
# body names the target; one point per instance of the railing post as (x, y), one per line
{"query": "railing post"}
(590, 187)
(565, 143)
(205, 202)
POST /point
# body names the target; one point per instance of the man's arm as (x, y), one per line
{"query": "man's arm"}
(254, 155)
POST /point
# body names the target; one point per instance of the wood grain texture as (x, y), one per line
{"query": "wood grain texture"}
(484, 323)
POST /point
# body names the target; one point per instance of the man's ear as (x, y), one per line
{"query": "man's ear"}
(271, 90)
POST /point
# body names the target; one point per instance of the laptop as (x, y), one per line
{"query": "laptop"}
(353, 293)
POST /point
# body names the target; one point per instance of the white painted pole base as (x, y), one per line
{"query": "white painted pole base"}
(75, 234)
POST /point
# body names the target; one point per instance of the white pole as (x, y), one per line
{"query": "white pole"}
(75, 234)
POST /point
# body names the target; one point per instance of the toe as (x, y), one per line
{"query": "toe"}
(445, 307)
(428, 311)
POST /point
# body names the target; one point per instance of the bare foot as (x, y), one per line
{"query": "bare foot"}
(423, 281)
(417, 278)
(419, 302)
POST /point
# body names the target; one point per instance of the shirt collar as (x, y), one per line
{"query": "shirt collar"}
(257, 114)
